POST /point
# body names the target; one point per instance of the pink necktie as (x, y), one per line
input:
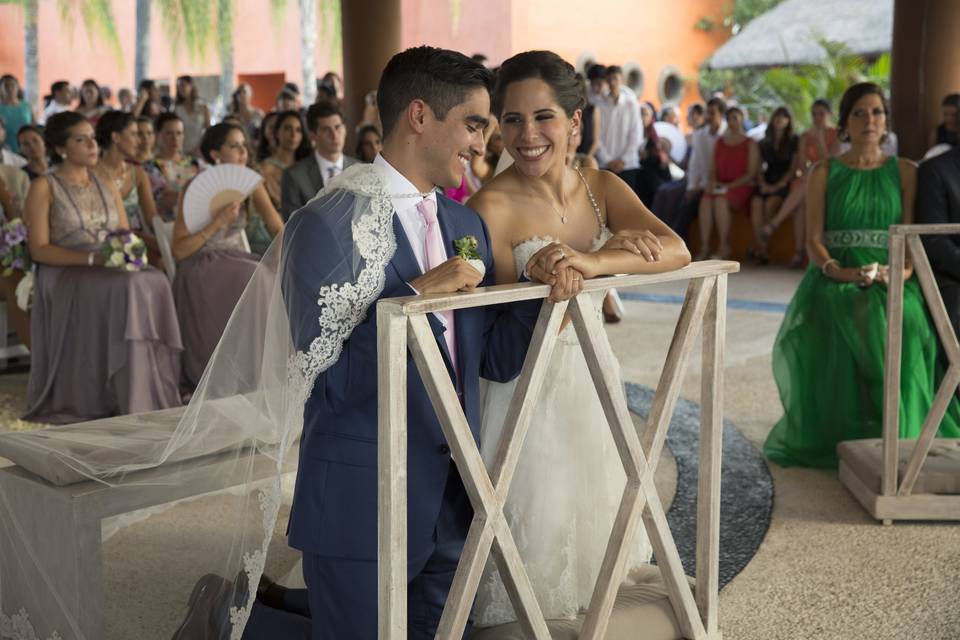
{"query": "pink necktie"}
(435, 256)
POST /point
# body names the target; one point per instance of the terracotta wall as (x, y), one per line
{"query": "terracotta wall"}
(263, 45)
(651, 33)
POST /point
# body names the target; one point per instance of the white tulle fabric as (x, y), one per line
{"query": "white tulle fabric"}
(568, 484)
(247, 411)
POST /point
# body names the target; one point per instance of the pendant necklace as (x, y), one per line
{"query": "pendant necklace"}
(563, 217)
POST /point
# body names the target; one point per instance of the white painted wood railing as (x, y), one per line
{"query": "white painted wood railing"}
(402, 326)
(903, 238)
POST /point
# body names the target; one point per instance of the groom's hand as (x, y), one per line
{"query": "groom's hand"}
(453, 275)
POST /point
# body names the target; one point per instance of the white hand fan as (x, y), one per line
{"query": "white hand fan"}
(213, 188)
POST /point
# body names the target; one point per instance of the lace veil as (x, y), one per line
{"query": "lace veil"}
(204, 489)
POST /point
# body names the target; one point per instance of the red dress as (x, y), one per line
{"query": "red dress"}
(731, 163)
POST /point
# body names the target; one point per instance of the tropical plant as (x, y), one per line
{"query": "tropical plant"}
(763, 90)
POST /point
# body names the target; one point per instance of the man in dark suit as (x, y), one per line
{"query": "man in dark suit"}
(434, 106)
(302, 180)
(938, 202)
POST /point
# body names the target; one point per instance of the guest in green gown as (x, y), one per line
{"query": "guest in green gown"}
(828, 359)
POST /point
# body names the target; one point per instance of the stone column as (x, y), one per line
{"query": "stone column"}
(926, 67)
(371, 36)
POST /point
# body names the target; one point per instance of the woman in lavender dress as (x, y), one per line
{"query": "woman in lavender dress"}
(214, 264)
(105, 341)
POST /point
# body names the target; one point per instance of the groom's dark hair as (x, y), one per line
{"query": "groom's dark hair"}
(440, 77)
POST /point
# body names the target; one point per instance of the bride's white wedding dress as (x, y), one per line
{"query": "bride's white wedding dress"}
(568, 483)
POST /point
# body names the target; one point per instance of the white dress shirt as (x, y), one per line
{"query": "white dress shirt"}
(52, 109)
(621, 131)
(325, 166)
(12, 159)
(703, 143)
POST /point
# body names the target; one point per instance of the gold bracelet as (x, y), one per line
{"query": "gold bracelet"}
(826, 264)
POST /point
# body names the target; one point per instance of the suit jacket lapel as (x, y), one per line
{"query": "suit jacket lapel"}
(314, 176)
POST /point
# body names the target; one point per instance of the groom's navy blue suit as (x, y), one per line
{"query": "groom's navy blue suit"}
(334, 515)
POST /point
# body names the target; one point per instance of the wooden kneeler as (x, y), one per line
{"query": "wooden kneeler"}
(402, 324)
(895, 499)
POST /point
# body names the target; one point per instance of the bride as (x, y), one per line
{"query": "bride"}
(545, 217)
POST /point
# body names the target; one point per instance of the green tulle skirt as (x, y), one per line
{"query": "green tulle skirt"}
(828, 362)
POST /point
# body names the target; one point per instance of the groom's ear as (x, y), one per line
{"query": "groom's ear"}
(417, 115)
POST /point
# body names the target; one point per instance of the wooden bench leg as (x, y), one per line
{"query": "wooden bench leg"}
(51, 562)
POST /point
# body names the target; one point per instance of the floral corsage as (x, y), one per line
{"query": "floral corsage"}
(125, 250)
(466, 248)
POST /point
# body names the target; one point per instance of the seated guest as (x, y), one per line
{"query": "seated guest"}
(91, 104)
(60, 100)
(654, 163)
(34, 150)
(589, 130)
(819, 142)
(250, 117)
(173, 168)
(287, 101)
(368, 143)
(267, 140)
(213, 266)
(948, 131)
(733, 171)
(149, 102)
(119, 140)
(702, 144)
(15, 112)
(292, 145)
(302, 181)
(778, 153)
(107, 340)
(125, 100)
(938, 202)
(828, 358)
(193, 112)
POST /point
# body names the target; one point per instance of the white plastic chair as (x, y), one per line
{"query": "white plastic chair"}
(8, 350)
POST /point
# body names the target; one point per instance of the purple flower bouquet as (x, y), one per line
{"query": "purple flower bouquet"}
(14, 253)
(125, 250)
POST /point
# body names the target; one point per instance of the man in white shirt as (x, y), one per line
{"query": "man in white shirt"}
(60, 100)
(621, 130)
(302, 180)
(703, 142)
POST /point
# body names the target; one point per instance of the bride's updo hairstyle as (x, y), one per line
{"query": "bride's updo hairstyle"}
(440, 77)
(543, 65)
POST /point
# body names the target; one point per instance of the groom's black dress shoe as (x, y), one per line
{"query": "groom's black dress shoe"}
(209, 610)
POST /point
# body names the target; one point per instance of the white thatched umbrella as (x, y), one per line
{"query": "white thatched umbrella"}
(791, 32)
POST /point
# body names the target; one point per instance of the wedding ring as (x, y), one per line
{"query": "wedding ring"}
(562, 254)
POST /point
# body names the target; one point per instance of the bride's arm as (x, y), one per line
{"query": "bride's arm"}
(627, 216)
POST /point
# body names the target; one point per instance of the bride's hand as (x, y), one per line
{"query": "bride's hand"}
(642, 243)
(545, 264)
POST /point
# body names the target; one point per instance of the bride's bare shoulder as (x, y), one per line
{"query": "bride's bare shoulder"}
(495, 199)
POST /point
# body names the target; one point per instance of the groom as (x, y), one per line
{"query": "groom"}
(434, 105)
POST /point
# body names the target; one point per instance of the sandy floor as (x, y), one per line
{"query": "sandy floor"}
(825, 570)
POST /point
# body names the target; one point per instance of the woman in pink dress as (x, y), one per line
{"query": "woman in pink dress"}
(733, 171)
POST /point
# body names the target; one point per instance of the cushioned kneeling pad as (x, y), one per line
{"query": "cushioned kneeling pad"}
(940, 472)
(642, 612)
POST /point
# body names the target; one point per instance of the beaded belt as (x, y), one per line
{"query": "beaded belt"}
(847, 238)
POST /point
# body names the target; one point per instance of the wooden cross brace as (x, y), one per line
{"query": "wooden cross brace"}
(903, 237)
(489, 531)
